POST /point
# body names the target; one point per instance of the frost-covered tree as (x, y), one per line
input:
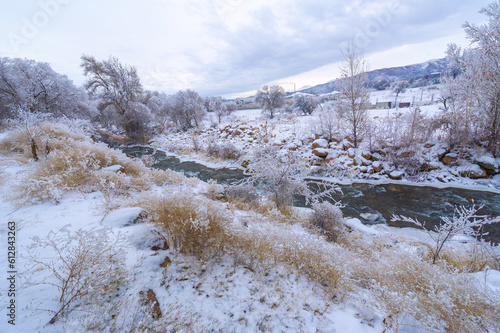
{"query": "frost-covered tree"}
(355, 99)
(306, 103)
(458, 118)
(35, 87)
(397, 88)
(217, 106)
(481, 66)
(186, 109)
(328, 119)
(119, 91)
(270, 99)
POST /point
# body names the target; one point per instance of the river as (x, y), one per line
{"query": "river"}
(376, 203)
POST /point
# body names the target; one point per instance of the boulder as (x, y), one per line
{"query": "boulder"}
(396, 175)
(320, 143)
(245, 163)
(124, 217)
(347, 145)
(450, 158)
(320, 152)
(489, 164)
(366, 155)
(351, 153)
(357, 161)
(152, 303)
(473, 171)
(377, 166)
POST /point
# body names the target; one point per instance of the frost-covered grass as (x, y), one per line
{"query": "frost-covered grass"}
(213, 265)
(75, 162)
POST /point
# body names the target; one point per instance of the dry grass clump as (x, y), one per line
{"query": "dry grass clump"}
(194, 226)
(74, 162)
(408, 290)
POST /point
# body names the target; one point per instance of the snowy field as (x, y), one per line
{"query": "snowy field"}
(273, 273)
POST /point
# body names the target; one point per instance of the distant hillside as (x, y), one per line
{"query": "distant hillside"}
(417, 75)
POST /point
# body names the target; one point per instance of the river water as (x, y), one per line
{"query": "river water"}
(376, 203)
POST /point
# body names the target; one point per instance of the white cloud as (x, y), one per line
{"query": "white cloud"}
(227, 46)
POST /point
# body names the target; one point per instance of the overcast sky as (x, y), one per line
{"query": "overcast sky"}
(228, 47)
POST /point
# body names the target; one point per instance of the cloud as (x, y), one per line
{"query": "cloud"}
(226, 46)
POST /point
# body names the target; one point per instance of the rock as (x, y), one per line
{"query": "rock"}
(377, 166)
(366, 155)
(472, 171)
(369, 217)
(320, 143)
(396, 175)
(124, 217)
(321, 152)
(450, 158)
(152, 303)
(431, 166)
(335, 139)
(365, 162)
(487, 163)
(237, 132)
(347, 145)
(406, 154)
(166, 262)
(351, 153)
(429, 145)
(357, 161)
(329, 159)
(245, 163)
(116, 168)
(376, 157)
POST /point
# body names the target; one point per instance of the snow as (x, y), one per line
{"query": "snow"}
(356, 224)
(122, 217)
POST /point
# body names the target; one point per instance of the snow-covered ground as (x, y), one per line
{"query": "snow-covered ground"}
(220, 294)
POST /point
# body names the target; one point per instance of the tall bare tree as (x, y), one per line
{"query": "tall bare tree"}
(353, 105)
(119, 90)
(270, 99)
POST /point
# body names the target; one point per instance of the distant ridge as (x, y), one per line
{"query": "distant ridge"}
(418, 75)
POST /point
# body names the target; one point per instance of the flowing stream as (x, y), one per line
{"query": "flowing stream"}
(368, 202)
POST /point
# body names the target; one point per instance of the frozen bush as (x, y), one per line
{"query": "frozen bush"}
(328, 218)
(86, 267)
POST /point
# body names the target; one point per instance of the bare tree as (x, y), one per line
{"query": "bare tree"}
(186, 109)
(398, 87)
(355, 99)
(270, 99)
(306, 103)
(217, 106)
(119, 90)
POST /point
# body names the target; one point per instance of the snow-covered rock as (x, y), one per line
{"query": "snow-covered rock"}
(473, 171)
(320, 143)
(114, 168)
(124, 217)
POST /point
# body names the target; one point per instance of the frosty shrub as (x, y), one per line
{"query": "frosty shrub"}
(225, 151)
(328, 218)
(74, 162)
(242, 193)
(280, 174)
(86, 267)
(465, 221)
